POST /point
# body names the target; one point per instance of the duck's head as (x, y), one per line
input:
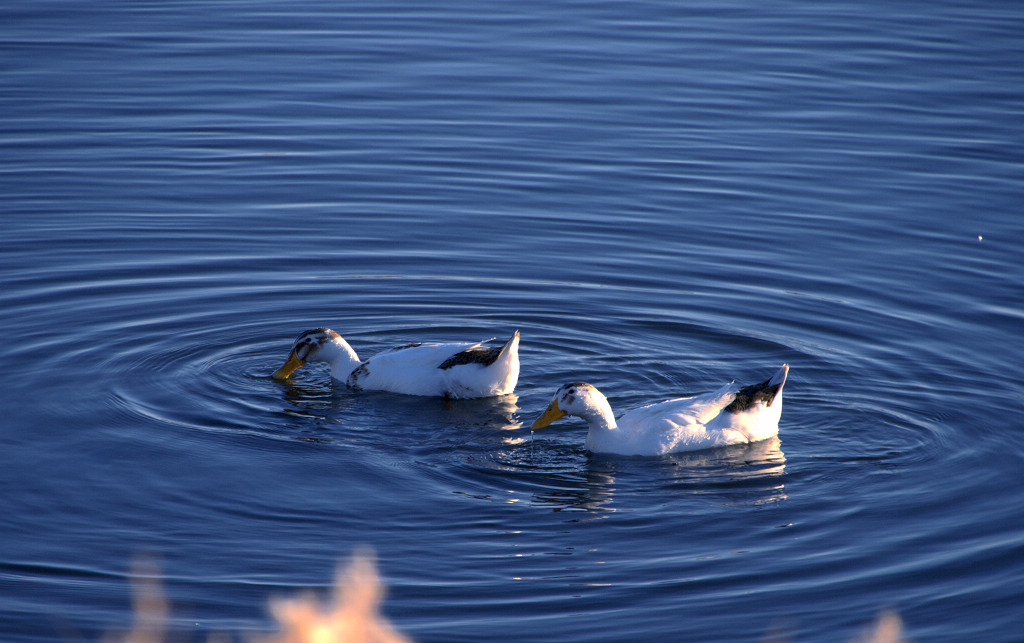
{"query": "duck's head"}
(578, 399)
(308, 347)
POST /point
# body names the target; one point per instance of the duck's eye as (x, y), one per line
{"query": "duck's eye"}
(302, 348)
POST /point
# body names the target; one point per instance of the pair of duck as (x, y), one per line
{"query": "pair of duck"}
(731, 415)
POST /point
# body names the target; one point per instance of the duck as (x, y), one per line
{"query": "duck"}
(450, 370)
(732, 414)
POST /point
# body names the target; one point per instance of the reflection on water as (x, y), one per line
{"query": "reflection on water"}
(591, 492)
(748, 474)
(743, 474)
(498, 413)
(396, 420)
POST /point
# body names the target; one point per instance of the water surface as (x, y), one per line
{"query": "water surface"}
(660, 198)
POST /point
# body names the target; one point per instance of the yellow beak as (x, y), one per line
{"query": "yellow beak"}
(289, 367)
(549, 415)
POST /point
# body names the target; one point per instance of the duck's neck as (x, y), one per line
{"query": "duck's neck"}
(599, 416)
(602, 430)
(341, 357)
(600, 420)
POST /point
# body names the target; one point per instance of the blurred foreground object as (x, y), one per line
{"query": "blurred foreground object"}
(149, 605)
(888, 628)
(352, 616)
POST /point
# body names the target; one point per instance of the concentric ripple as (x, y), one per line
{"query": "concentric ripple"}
(215, 377)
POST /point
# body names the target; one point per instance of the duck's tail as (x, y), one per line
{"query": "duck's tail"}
(779, 378)
(511, 344)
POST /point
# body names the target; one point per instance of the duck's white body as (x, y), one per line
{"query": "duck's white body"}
(730, 415)
(457, 370)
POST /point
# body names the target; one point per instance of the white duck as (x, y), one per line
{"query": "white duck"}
(730, 415)
(449, 370)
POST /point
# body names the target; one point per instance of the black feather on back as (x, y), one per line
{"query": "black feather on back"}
(749, 396)
(482, 356)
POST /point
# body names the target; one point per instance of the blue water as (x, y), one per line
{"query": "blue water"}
(661, 197)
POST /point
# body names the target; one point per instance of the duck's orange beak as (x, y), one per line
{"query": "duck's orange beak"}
(549, 415)
(290, 366)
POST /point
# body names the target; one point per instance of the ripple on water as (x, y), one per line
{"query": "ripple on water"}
(215, 378)
(846, 427)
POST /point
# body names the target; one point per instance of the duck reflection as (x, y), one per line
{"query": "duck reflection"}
(592, 493)
(312, 399)
(325, 403)
(747, 474)
(496, 412)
